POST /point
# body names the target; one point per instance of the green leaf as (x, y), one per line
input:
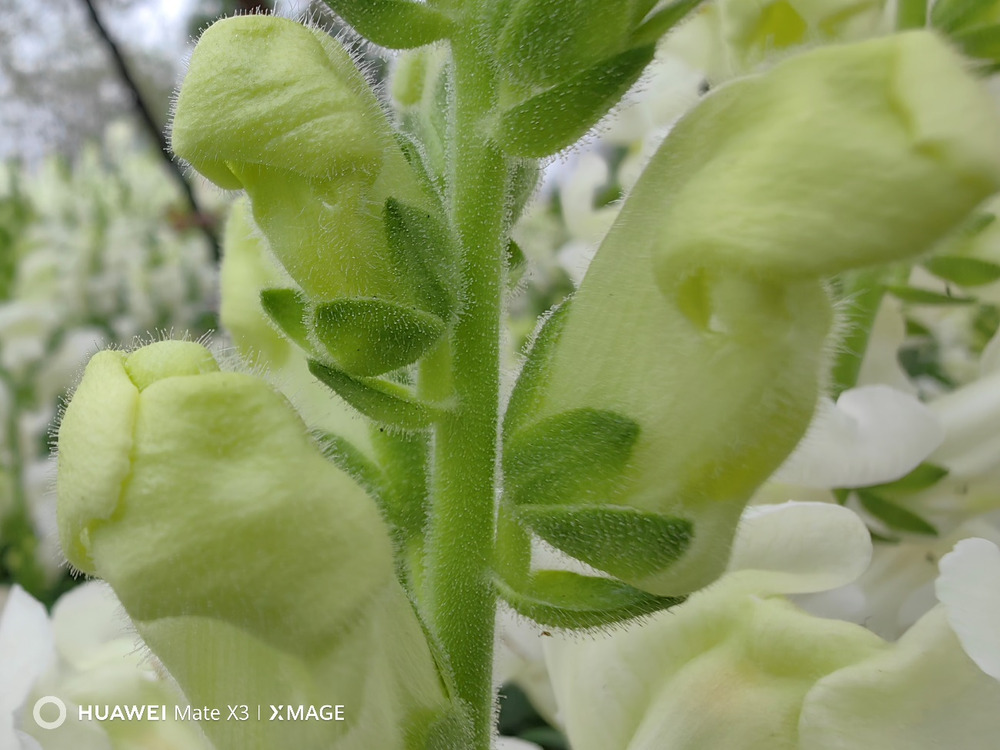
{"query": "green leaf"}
(963, 270)
(918, 296)
(406, 460)
(421, 249)
(386, 403)
(351, 459)
(663, 21)
(568, 600)
(522, 180)
(911, 14)
(893, 515)
(625, 542)
(981, 41)
(950, 15)
(924, 476)
(287, 308)
(524, 398)
(370, 336)
(394, 24)
(556, 118)
(415, 158)
(568, 457)
(515, 261)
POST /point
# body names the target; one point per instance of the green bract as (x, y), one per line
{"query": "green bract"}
(231, 541)
(280, 110)
(687, 366)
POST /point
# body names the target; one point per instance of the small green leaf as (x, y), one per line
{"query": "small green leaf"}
(370, 336)
(894, 516)
(568, 600)
(569, 457)
(911, 14)
(522, 180)
(975, 224)
(981, 41)
(949, 15)
(924, 476)
(415, 158)
(625, 542)
(421, 249)
(556, 118)
(394, 24)
(916, 328)
(523, 400)
(918, 296)
(663, 21)
(515, 261)
(882, 538)
(405, 458)
(351, 459)
(287, 308)
(963, 270)
(386, 403)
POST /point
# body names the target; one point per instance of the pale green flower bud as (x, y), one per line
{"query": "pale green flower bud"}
(688, 365)
(733, 37)
(280, 110)
(255, 569)
(847, 156)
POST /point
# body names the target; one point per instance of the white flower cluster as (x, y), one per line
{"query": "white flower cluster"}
(95, 254)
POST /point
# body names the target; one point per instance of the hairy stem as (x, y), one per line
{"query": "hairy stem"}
(460, 540)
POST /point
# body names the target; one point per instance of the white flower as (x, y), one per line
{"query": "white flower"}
(26, 652)
(740, 668)
(969, 589)
(872, 435)
(84, 655)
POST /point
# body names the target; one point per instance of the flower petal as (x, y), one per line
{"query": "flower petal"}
(796, 548)
(969, 589)
(26, 651)
(923, 694)
(873, 434)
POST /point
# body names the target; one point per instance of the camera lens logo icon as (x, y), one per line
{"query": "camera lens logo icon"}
(49, 700)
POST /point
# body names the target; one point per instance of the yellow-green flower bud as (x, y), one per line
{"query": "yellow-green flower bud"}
(256, 570)
(688, 365)
(846, 156)
(280, 110)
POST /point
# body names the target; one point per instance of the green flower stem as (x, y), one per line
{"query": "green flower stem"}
(911, 14)
(460, 540)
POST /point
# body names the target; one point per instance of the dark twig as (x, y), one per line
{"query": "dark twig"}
(151, 126)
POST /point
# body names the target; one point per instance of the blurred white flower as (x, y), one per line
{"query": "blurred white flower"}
(84, 655)
(739, 667)
(969, 589)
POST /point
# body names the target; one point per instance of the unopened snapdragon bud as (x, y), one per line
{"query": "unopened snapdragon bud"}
(688, 365)
(256, 570)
